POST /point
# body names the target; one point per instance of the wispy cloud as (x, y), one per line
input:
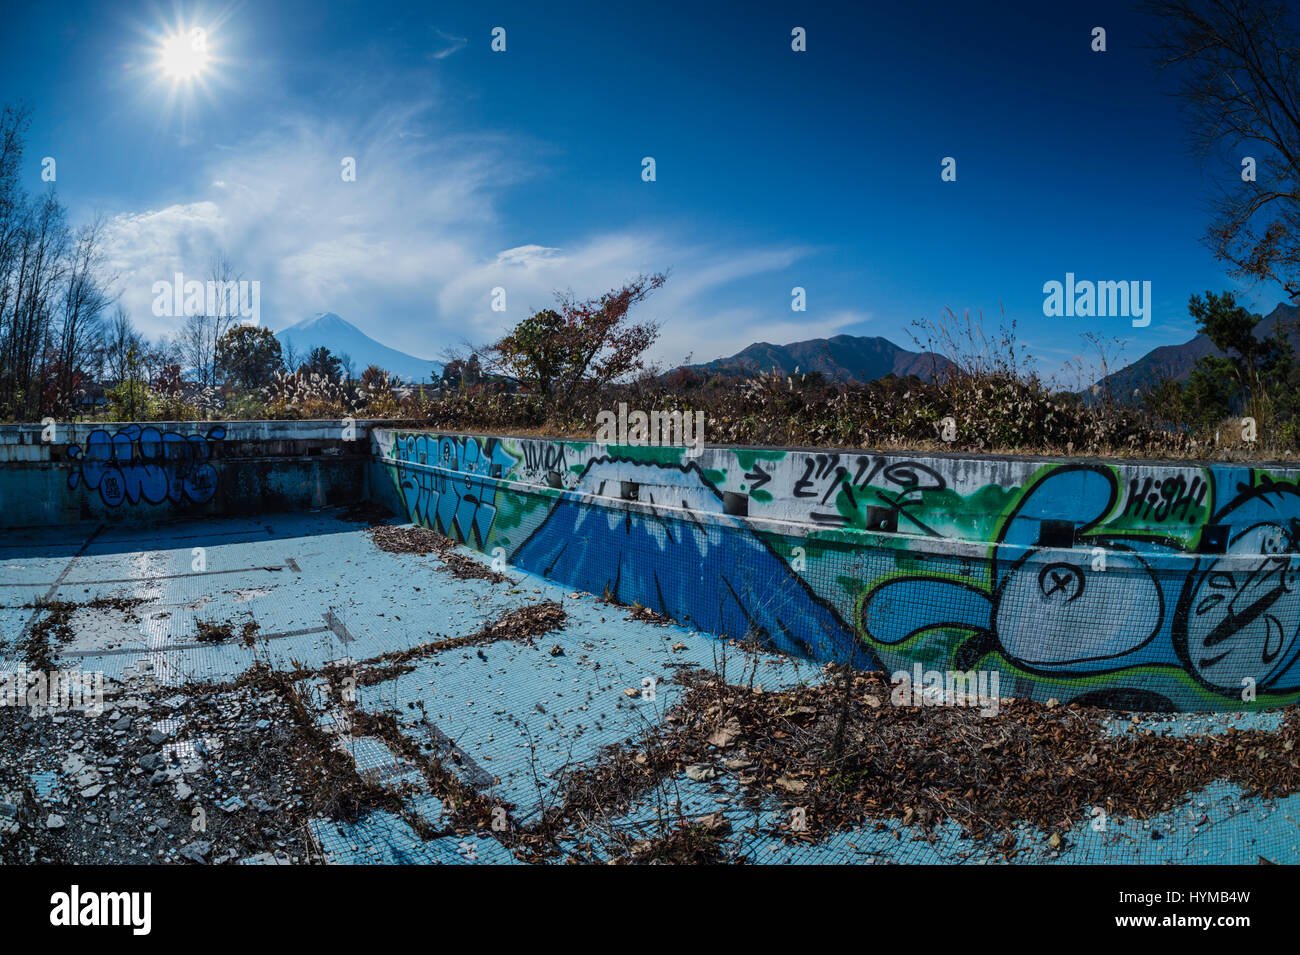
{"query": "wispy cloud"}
(412, 249)
(449, 45)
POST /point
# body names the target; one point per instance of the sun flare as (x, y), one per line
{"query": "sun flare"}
(184, 55)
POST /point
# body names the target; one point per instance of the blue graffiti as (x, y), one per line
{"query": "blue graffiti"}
(1222, 620)
(137, 464)
(449, 492)
(718, 576)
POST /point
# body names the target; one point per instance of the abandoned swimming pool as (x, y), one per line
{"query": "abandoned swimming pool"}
(245, 568)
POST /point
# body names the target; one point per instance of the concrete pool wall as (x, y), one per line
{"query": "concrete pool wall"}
(1154, 586)
(68, 473)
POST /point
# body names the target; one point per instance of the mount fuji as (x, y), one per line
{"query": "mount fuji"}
(344, 338)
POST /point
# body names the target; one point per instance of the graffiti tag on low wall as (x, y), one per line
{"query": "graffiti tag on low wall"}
(136, 465)
(1112, 617)
(455, 505)
(1174, 587)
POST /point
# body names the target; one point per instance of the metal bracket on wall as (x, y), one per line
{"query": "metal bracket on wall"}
(884, 519)
(1056, 533)
(1214, 539)
(735, 504)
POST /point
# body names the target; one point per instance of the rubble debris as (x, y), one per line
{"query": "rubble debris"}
(522, 625)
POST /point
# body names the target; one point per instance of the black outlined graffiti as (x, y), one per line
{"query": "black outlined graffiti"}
(758, 477)
(1238, 618)
(904, 485)
(542, 456)
(134, 465)
(1170, 499)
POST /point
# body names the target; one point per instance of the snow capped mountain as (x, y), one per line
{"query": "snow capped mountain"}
(344, 338)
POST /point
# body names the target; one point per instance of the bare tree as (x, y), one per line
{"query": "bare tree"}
(155, 357)
(26, 338)
(52, 291)
(200, 336)
(85, 296)
(119, 338)
(1239, 61)
(197, 347)
(226, 283)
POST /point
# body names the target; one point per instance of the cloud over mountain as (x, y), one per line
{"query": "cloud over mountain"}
(412, 249)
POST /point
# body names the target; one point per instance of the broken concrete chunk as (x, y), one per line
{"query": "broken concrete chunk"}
(196, 852)
(73, 764)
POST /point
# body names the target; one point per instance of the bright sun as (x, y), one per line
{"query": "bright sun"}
(184, 55)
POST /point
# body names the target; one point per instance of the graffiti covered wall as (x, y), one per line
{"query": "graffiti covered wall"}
(134, 464)
(1144, 586)
(144, 472)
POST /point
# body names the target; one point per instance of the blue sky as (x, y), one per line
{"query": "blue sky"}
(522, 169)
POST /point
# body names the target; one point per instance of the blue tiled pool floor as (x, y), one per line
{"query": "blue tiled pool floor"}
(519, 714)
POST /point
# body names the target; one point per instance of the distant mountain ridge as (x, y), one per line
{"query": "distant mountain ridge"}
(343, 338)
(841, 358)
(1177, 361)
(854, 359)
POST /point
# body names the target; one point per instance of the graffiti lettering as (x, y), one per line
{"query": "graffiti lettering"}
(905, 484)
(1170, 499)
(137, 464)
(445, 493)
(1152, 610)
(542, 456)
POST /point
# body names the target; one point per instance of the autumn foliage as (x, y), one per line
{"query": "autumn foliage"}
(583, 347)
